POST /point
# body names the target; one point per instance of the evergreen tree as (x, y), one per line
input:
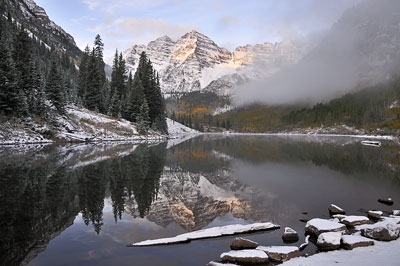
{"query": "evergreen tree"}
(83, 73)
(53, 86)
(8, 86)
(143, 118)
(93, 90)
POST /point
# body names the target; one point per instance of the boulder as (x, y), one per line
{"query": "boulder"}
(375, 214)
(290, 235)
(396, 212)
(334, 209)
(280, 253)
(318, 226)
(383, 231)
(329, 241)
(245, 256)
(242, 243)
(387, 201)
(353, 241)
(354, 220)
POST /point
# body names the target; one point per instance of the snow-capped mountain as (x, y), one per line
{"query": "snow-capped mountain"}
(195, 62)
(35, 19)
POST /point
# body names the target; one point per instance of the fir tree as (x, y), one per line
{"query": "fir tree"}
(83, 73)
(8, 87)
(93, 90)
(143, 118)
(53, 86)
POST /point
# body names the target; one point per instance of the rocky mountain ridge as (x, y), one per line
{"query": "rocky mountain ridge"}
(196, 63)
(35, 19)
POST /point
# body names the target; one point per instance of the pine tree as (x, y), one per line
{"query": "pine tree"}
(93, 90)
(53, 86)
(83, 73)
(8, 86)
(143, 119)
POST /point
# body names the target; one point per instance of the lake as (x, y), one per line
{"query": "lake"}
(83, 204)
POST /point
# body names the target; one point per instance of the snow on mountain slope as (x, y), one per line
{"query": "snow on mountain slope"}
(195, 62)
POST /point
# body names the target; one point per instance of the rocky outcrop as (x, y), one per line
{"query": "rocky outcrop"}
(383, 231)
(280, 253)
(318, 226)
(250, 256)
(242, 243)
(329, 241)
(350, 242)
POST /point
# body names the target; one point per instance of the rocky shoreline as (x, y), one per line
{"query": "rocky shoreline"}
(339, 232)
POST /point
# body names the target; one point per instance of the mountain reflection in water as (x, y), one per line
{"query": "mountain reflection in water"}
(126, 193)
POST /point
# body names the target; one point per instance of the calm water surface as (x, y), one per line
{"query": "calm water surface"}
(83, 204)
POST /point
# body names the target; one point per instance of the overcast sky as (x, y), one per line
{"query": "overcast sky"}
(229, 23)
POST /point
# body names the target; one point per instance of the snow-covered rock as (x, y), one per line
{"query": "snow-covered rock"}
(329, 241)
(242, 243)
(375, 214)
(396, 212)
(280, 253)
(339, 216)
(354, 241)
(334, 209)
(354, 220)
(210, 233)
(386, 230)
(213, 263)
(318, 226)
(382, 253)
(290, 235)
(247, 256)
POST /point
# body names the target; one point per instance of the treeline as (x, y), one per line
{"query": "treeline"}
(366, 107)
(37, 81)
(31, 84)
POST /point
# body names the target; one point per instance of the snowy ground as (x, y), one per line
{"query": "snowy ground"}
(382, 253)
(83, 125)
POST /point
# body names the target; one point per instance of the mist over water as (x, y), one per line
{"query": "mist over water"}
(361, 49)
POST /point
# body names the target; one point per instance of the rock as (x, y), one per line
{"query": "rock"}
(375, 214)
(383, 231)
(354, 220)
(353, 241)
(329, 241)
(387, 201)
(339, 216)
(334, 209)
(396, 212)
(280, 253)
(242, 243)
(304, 220)
(290, 235)
(318, 226)
(246, 256)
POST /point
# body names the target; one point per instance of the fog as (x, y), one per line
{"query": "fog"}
(361, 49)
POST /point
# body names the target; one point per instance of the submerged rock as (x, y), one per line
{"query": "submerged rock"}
(329, 241)
(213, 263)
(387, 201)
(290, 235)
(353, 241)
(246, 256)
(242, 243)
(354, 220)
(383, 231)
(280, 253)
(334, 209)
(318, 226)
(375, 214)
